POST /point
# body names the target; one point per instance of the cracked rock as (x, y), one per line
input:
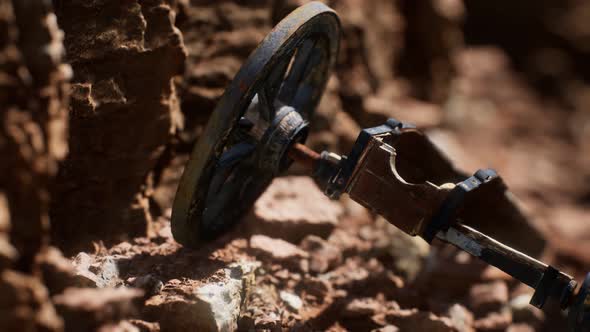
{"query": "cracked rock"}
(210, 306)
(292, 208)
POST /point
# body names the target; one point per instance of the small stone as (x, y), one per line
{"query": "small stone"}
(387, 328)
(494, 321)
(461, 317)
(150, 284)
(361, 308)
(292, 208)
(488, 297)
(292, 301)
(122, 326)
(277, 250)
(323, 255)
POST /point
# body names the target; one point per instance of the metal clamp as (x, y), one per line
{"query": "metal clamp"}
(444, 218)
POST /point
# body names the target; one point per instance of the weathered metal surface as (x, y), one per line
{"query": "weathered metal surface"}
(548, 282)
(401, 175)
(222, 178)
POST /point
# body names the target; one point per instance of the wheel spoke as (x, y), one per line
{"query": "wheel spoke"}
(268, 94)
(297, 71)
(225, 165)
(306, 84)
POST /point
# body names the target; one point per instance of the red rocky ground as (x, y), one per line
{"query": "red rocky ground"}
(85, 240)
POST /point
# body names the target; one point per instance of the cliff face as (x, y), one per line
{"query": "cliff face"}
(123, 112)
(33, 129)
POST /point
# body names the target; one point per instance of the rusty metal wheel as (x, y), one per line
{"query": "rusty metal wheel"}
(264, 110)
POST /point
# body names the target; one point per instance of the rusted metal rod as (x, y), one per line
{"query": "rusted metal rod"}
(304, 155)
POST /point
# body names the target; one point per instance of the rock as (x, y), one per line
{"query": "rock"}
(58, 273)
(494, 321)
(385, 105)
(361, 308)
(85, 309)
(367, 278)
(317, 288)
(461, 318)
(388, 328)
(122, 326)
(262, 310)
(520, 328)
(82, 263)
(488, 297)
(414, 320)
(106, 272)
(323, 256)
(4, 215)
(350, 276)
(292, 208)
(8, 254)
(125, 56)
(277, 250)
(348, 244)
(523, 312)
(210, 306)
(292, 301)
(149, 283)
(409, 253)
(219, 37)
(567, 234)
(25, 305)
(333, 129)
